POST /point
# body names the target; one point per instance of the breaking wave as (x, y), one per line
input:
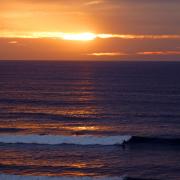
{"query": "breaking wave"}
(85, 140)
(55, 140)
(16, 177)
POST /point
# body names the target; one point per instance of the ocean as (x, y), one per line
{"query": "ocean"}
(89, 120)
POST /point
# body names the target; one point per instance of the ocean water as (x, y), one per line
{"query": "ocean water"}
(89, 120)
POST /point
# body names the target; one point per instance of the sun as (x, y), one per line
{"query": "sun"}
(79, 37)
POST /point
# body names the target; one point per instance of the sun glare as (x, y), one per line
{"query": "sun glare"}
(84, 36)
(79, 37)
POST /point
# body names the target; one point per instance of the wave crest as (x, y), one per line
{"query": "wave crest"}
(85, 140)
(55, 140)
(16, 177)
(22, 177)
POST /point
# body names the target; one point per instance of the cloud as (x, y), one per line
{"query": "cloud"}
(13, 42)
(90, 3)
(64, 35)
(140, 2)
(159, 53)
(145, 53)
(108, 54)
(117, 16)
(133, 36)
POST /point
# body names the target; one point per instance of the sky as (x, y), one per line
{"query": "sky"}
(90, 30)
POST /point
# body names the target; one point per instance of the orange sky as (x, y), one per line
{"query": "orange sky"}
(90, 30)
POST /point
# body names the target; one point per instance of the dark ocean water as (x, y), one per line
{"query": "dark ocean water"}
(69, 119)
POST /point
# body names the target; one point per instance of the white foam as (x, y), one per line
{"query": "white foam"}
(15, 177)
(55, 140)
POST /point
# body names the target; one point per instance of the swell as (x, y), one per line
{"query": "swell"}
(45, 116)
(11, 130)
(91, 116)
(73, 102)
(40, 102)
(86, 140)
(153, 140)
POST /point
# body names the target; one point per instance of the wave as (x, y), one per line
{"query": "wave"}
(55, 140)
(18, 177)
(40, 102)
(153, 140)
(85, 140)
(10, 130)
(44, 116)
